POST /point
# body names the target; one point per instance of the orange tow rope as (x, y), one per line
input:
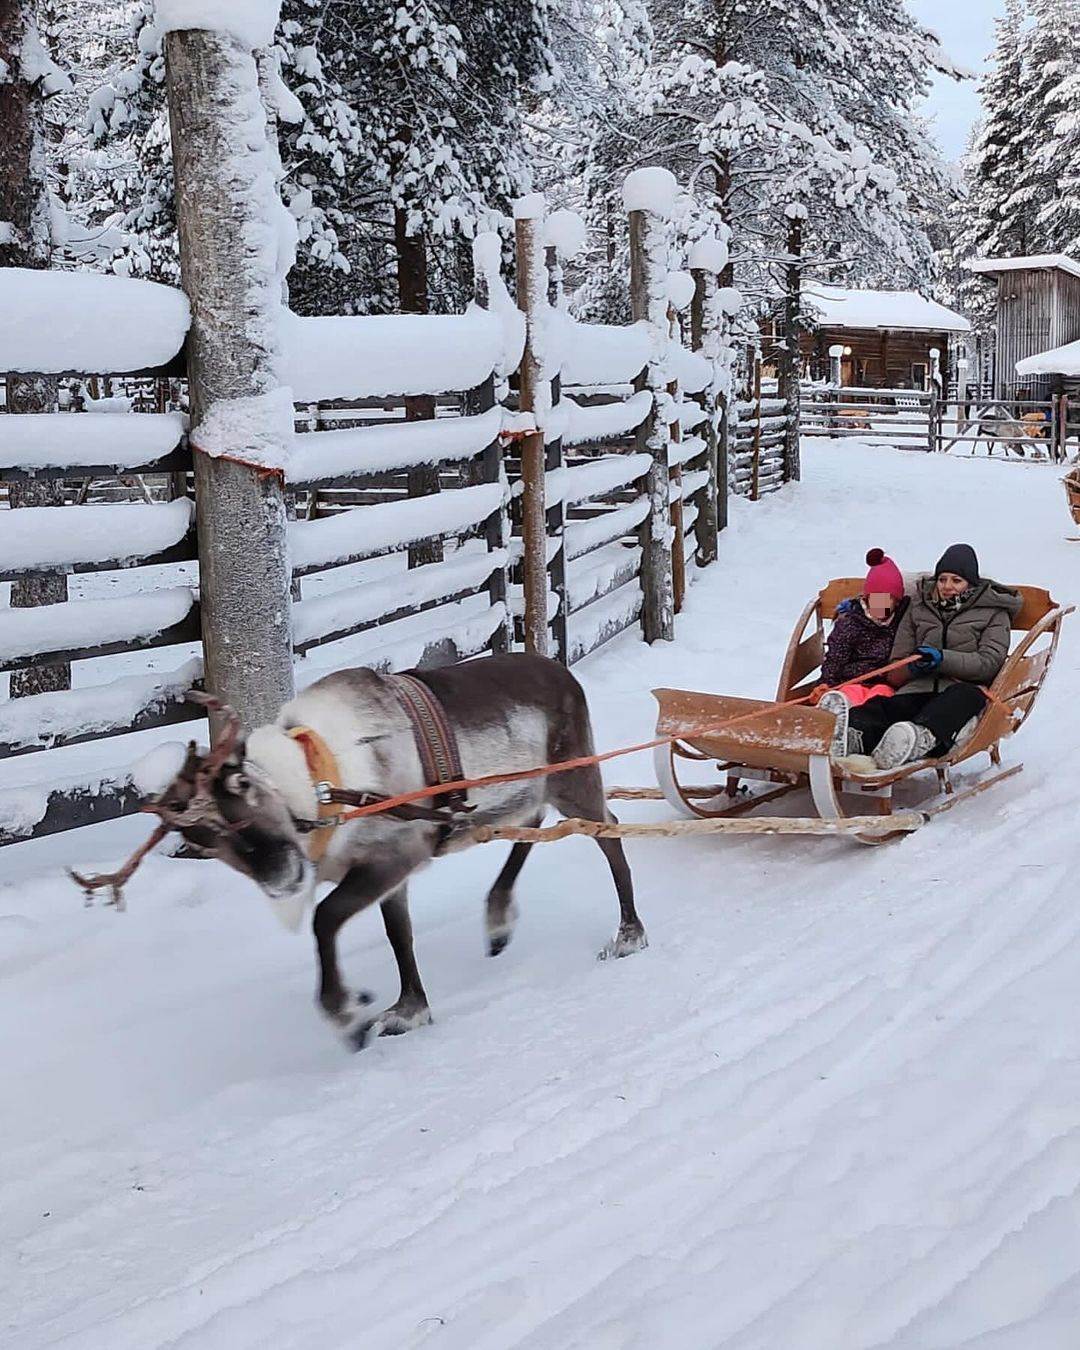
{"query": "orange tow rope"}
(583, 761)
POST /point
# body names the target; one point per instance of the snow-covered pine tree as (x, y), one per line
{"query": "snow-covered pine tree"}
(440, 91)
(778, 108)
(1052, 94)
(887, 66)
(585, 138)
(1002, 218)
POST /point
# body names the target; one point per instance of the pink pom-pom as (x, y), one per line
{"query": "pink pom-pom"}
(875, 557)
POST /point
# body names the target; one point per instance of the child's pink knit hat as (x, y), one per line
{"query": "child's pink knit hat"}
(884, 576)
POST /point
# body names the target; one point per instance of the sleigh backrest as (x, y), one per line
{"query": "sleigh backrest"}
(806, 650)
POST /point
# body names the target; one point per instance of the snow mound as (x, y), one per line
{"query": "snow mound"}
(652, 190)
(680, 289)
(530, 207)
(566, 232)
(251, 22)
(60, 440)
(709, 254)
(381, 355)
(96, 324)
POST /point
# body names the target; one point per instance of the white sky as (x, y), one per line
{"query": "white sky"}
(966, 29)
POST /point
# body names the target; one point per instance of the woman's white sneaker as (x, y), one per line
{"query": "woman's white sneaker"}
(903, 743)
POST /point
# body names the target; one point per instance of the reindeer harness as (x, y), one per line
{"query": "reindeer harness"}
(440, 758)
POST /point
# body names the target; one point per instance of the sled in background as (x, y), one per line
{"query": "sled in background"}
(1071, 483)
(785, 749)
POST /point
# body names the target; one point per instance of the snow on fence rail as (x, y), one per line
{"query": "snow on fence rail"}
(130, 628)
(400, 542)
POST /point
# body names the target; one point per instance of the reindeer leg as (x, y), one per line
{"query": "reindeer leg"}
(581, 793)
(500, 913)
(411, 1009)
(361, 887)
(631, 935)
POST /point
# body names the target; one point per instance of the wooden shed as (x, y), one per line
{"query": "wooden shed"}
(1038, 310)
(887, 336)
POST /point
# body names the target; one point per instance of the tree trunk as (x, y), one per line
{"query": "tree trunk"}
(555, 513)
(533, 398)
(226, 202)
(648, 299)
(413, 299)
(24, 205)
(705, 338)
(788, 366)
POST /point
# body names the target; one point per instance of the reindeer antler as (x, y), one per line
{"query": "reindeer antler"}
(118, 878)
(230, 732)
(199, 807)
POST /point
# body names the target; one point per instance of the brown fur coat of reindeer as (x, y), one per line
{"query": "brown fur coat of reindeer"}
(248, 803)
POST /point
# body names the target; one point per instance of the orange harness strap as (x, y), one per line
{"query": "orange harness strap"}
(322, 767)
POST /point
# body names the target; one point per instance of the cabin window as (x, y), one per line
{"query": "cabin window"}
(918, 374)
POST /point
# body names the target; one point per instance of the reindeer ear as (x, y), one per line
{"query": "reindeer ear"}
(191, 763)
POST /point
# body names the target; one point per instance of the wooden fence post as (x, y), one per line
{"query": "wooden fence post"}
(643, 191)
(675, 478)
(533, 397)
(555, 515)
(488, 466)
(1061, 420)
(26, 241)
(705, 321)
(755, 463)
(836, 352)
(933, 416)
(790, 359)
(226, 204)
(412, 288)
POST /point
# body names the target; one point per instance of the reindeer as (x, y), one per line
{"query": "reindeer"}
(253, 804)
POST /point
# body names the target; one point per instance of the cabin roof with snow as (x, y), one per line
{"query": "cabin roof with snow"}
(907, 311)
(1064, 361)
(1036, 262)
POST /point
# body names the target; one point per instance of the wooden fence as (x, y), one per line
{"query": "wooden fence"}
(907, 418)
(1024, 428)
(409, 497)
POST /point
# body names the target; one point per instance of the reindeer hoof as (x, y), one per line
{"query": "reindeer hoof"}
(498, 942)
(394, 1021)
(625, 942)
(502, 916)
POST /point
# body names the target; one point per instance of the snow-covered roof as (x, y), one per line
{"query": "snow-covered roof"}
(1058, 361)
(840, 308)
(1035, 261)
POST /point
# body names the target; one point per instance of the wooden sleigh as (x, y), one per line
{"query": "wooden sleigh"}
(1071, 484)
(785, 749)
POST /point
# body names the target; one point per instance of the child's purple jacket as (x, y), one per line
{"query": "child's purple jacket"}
(858, 645)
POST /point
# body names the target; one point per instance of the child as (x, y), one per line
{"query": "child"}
(863, 635)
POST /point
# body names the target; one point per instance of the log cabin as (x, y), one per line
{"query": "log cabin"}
(887, 336)
(1038, 311)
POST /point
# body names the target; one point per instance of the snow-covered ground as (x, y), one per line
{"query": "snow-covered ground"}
(835, 1105)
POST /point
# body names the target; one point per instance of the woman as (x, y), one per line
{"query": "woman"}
(957, 630)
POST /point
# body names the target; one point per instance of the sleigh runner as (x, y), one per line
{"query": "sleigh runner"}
(771, 750)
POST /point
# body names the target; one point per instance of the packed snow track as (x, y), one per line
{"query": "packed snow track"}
(835, 1105)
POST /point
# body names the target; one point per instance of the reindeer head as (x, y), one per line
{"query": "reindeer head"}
(225, 808)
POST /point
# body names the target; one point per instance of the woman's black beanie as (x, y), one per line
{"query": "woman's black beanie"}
(959, 559)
